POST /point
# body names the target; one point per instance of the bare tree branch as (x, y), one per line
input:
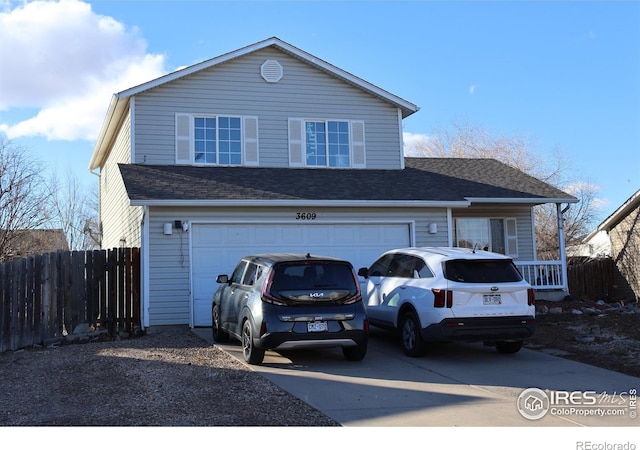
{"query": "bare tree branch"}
(73, 208)
(23, 196)
(463, 140)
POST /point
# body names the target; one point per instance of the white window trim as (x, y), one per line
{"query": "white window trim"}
(298, 139)
(185, 141)
(509, 239)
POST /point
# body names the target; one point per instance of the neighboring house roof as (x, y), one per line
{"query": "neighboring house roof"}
(120, 101)
(34, 242)
(623, 211)
(423, 181)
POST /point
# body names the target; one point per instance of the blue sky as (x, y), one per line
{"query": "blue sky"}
(564, 74)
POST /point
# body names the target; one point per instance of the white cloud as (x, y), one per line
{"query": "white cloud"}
(413, 142)
(472, 89)
(66, 61)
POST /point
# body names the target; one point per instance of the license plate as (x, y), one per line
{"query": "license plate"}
(493, 299)
(315, 327)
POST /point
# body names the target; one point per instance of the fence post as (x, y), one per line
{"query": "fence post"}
(112, 307)
(135, 287)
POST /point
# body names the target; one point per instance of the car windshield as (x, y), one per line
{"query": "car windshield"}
(482, 271)
(313, 276)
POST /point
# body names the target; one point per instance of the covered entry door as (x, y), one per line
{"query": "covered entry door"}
(216, 248)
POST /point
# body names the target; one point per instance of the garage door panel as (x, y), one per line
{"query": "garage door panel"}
(208, 235)
(240, 234)
(392, 234)
(216, 249)
(292, 235)
(343, 234)
(316, 235)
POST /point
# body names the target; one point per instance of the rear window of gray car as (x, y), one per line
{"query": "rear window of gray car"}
(299, 276)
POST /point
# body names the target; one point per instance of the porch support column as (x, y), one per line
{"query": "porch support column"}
(561, 245)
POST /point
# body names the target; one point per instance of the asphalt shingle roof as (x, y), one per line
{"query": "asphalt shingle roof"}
(423, 179)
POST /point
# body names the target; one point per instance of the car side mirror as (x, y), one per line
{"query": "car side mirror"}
(363, 272)
(222, 279)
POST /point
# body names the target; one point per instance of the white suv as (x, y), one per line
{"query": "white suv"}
(441, 294)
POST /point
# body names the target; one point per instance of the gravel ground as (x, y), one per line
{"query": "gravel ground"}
(169, 377)
(601, 334)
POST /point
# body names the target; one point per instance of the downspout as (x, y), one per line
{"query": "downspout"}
(99, 175)
(561, 244)
(144, 269)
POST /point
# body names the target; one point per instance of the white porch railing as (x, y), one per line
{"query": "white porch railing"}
(543, 275)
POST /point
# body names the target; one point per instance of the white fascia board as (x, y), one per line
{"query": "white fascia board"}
(302, 203)
(98, 150)
(113, 118)
(531, 201)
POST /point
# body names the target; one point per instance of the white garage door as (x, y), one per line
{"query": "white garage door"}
(216, 248)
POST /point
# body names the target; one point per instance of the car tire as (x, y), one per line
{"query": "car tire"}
(508, 346)
(410, 337)
(252, 355)
(218, 334)
(356, 353)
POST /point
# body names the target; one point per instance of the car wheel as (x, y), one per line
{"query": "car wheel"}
(508, 346)
(251, 354)
(356, 353)
(411, 339)
(218, 334)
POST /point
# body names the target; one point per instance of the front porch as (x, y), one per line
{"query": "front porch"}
(546, 277)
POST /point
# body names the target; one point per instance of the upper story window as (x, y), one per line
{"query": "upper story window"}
(494, 234)
(326, 143)
(216, 139)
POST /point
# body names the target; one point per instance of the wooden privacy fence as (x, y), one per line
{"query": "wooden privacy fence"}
(591, 279)
(45, 297)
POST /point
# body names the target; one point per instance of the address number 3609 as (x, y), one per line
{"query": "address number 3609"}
(306, 216)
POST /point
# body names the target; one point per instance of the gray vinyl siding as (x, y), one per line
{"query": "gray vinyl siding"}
(120, 221)
(524, 224)
(170, 259)
(236, 88)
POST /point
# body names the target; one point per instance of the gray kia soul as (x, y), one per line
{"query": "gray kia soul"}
(288, 301)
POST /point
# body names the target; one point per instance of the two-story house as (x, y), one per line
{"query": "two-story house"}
(269, 148)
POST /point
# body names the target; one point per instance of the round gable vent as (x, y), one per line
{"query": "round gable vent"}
(271, 71)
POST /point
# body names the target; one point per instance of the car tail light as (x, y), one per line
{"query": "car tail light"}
(353, 299)
(442, 298)
(531, 297)
(266, 294)
(268, 298)
(274, 301)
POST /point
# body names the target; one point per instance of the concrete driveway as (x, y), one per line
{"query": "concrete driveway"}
(454, 385)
